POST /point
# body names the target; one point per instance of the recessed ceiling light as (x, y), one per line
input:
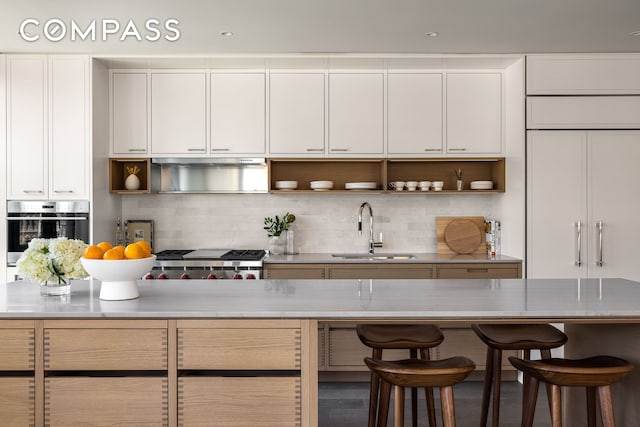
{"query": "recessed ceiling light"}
(432, 34)
(226, 33)
(635, 34)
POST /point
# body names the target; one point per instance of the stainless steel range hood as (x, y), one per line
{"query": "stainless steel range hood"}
(212, 175)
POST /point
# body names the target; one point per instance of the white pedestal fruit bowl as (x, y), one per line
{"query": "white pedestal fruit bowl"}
(118, 277)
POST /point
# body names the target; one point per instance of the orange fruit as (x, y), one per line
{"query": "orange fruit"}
(135, 251)
(113, 253)
(119, 248)
(145, 245)
(105, 246)
(93, 252)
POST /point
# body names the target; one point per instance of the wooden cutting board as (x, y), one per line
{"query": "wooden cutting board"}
(460, 235)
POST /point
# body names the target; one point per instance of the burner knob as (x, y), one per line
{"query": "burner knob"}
(211, 276)
(162, 276)
(149, 276)
(237, 276)
(250, 276)
(185, 276)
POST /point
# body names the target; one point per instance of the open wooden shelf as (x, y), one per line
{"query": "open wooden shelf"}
(118, 174)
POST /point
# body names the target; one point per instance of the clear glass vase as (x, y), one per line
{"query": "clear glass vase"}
(55, 288)
(277, 245)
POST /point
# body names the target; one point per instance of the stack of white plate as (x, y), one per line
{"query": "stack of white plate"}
(360, 186)
(286, 185)
(482, 185)
(321, 185)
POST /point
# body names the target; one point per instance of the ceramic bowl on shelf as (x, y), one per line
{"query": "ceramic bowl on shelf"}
(286, 185)
(321, 185)
(481, 185)
(360, 185)
(118, 277)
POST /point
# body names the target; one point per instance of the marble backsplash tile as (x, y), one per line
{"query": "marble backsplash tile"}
(324, 223)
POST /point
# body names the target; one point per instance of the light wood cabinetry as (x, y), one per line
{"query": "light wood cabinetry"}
(294, 271)
(48, 127)
(297, 113)
(356, 114)
(17, 372)
(474, 113)
(414, 114)
(474, 271)
(370, 271)
(129, 108)
(17, 401)
(118, 175)
(178, 113)
(238, 113)
(18, 349)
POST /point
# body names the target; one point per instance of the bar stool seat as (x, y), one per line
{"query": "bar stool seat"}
(413, 337)
(418, 373)
(525, 337)
(595, 373)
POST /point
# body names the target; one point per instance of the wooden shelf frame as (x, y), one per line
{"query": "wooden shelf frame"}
(118, 174)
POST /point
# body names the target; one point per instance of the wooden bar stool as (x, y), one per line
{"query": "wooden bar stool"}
(595, 373)
(511, 337)
(394, 336)
(418, 373)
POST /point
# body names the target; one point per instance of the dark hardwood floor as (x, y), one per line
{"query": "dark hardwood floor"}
(346, 405)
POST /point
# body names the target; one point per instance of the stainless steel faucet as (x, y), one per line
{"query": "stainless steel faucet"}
(372, 243)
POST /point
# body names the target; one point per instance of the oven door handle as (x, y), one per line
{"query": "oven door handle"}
(47, 218)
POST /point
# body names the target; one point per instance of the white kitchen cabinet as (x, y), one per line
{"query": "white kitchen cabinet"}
(414, 114)
(129, 122)
(583, 112)
(178, 114)
(297, 114)
(474, 113)
(238, 113)
(356, 114)
(583, 74)
(579, 207)
(48, 153)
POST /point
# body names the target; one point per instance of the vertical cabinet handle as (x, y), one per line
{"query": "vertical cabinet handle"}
(578, 261)
(599, 261)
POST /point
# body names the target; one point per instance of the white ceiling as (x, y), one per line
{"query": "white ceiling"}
(337, 26)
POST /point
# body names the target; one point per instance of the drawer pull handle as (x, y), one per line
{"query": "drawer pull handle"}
(196, 149)
(219, 149)
(457, 149)
(339, 149)
(315, 149)
(63, 191)
(137, 150)
(33, 191)
(477, 270)
(433, 149)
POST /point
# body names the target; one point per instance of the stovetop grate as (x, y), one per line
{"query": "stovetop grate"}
(231, 255)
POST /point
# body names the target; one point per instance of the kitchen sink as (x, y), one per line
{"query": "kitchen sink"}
(377, 257)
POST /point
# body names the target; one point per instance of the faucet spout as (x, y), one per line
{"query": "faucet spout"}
(372, 243)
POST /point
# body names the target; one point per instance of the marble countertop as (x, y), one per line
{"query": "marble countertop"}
(442, 300)
(420, 258)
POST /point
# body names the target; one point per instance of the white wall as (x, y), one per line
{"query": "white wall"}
(325, 223)
(3, 161)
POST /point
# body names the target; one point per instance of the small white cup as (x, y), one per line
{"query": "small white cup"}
(398, 185)
(412, 185)
(437, 185)
(424, 185)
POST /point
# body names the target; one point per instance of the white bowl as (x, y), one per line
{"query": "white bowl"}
(321, 185)
(118, 277)
(286, 185)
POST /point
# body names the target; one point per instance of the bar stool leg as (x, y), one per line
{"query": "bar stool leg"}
(383, 408)
(428, 392)
(530, 393)
(398, 406)
(373, 393)
(591, 406)
(497, 371)
(556, 406)
(606, 406)
(486, 392)
(448, 407)
(413, 353)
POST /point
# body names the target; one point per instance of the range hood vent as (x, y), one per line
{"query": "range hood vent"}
(212, 175)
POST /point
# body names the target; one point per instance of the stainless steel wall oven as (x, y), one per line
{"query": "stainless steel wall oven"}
(28, 220)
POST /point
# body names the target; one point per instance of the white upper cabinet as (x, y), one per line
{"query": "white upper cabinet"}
(178, 113)
(356, 114)
(583, 74)
(129, 121)
(414, 114)
(48, 154)
(297, 114)
(238, 113)
(474, 113)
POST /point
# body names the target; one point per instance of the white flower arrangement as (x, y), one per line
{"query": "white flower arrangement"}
(53, 260)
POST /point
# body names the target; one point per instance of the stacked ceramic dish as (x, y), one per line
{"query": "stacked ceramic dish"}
(360, 186)
(481, 185)
(286, 185)
(321, 185)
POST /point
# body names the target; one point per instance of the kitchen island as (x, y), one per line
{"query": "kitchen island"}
(196, 352)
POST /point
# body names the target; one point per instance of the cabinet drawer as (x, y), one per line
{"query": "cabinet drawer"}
(294, 271)
(478, 272)
(368, 271)
(17, 351)
(106, 401)
(17, 401)
(239, 348)
(105, 349)
(229, 402)
(347, 351)
(464, 342)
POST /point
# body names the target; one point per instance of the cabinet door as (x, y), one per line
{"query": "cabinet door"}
(474, 113)
(129, 114)
(296, 113)
(556, 201)
(478, 271)
(414, 109)
(368, 271)
(27, 164)
(17, 401)
(356, 113)
(69, 140)
(613, 175)
(238, 113)
(178, 113)
(294, 271)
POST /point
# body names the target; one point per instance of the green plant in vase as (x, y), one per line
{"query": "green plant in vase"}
(275, 226)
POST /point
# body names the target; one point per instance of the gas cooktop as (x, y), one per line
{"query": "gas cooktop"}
(211, 254)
